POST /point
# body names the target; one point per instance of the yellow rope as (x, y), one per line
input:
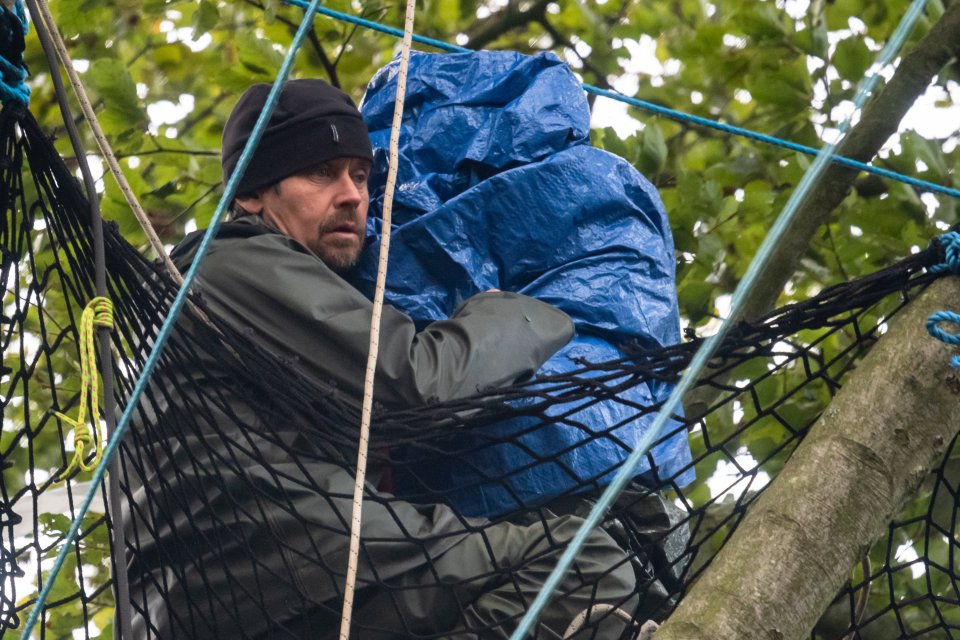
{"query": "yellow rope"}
(99, 312)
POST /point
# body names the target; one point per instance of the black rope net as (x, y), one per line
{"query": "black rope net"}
(237, 475)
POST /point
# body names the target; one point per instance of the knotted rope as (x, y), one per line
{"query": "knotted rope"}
(951, 245)
(98, 312)
(13, 73)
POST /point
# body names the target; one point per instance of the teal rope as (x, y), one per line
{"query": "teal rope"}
(941, 335)
(703, 355)
(673, 114)
(950, 242)
(951, 245)
(923, 185)
(626, 471)
(13, 78)
(21, 13)
(174, 313)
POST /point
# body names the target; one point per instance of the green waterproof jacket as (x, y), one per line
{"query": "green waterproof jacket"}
(243, 522)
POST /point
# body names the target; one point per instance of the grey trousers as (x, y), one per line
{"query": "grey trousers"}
(480, 588)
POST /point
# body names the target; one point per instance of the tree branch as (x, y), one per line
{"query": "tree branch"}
(880, 120)
(600, 78)
(507, 19)
(868, 454)
(153, 152)
(192, 121)
(328, 66)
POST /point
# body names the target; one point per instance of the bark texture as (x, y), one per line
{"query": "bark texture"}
(868, 453)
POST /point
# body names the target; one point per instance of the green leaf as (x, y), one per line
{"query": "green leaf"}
(204, 18)
(259, 57)
(757, 202)
(113, 84)
(701, 169)
(270, 11)
(53, 524)
(81, 16)
(653, 150)
(762, 21)
(447, 13)
(696, 299)
(852, 58)
(930, 152)
(778, 91)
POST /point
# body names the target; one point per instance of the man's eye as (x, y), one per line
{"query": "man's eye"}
(361, 177)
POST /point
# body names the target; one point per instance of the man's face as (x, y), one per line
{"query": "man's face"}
(324, 208)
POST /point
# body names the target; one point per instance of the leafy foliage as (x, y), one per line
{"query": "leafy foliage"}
(165, 73)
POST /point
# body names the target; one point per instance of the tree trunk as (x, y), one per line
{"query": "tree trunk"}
(887, 427)
(880, 120)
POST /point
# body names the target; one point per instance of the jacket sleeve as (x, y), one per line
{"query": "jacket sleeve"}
(293, 305)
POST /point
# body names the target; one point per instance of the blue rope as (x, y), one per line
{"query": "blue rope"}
(626, 471)
(673, 114)
(951, 245)
(709, 347)
(923, 185)
(943, 336)
(950, 242)
(21, 13)
(13, 77)
(174, 313)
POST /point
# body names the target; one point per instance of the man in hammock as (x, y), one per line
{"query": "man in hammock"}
(253, 537)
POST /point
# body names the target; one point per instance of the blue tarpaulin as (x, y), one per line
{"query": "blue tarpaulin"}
(499, 187)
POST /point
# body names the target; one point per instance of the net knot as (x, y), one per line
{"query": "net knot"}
(99, 313)
(13, 71)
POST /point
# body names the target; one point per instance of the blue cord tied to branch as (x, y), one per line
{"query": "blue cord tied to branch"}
(951, 244)
(13, 71)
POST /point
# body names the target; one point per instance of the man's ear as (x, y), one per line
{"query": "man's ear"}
(251, 203)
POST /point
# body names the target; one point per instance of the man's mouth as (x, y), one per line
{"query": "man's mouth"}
(342, 230)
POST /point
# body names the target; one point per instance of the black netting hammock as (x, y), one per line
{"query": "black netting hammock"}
(237, 474)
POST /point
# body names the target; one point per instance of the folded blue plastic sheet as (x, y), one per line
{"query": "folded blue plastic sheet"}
(499, 187)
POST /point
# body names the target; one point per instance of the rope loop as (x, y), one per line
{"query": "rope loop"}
(99, 313)
(13, 72)
(950, 338)
(950, 242)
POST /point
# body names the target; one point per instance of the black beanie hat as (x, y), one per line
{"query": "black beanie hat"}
(313, 122)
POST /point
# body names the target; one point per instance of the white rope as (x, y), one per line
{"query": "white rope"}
(104, 146)
(647, 629)
(111, 159)
(354, 552)
(592, 612)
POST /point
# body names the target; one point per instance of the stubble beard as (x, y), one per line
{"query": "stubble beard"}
(339, 255)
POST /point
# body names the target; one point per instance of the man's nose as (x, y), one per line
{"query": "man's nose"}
(348, 191)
